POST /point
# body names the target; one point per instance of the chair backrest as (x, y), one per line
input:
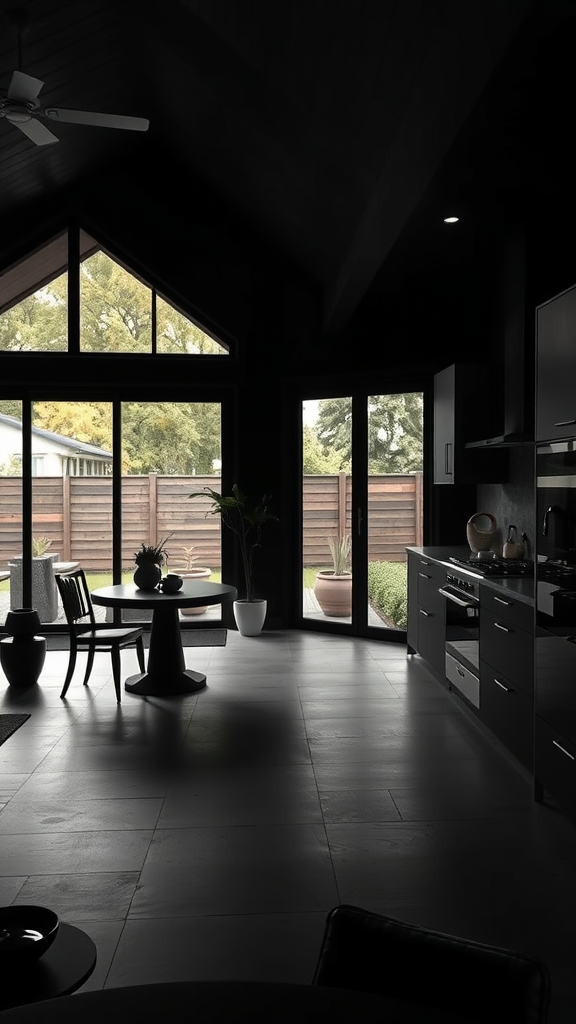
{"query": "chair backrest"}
(75, 596)
(373, 953)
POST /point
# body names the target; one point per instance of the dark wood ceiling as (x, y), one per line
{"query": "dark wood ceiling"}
(342, 131)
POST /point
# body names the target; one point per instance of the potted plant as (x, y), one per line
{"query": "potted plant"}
(44, 591)
(246, 517)
(333, 587)
(191, 571)
(149, 561)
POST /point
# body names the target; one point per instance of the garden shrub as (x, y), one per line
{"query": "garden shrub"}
(387, 591)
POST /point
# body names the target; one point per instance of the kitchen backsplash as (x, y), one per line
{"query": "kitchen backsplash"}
(512, 503)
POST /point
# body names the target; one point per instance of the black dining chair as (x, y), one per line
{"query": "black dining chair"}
(431, 970)
(79, 612)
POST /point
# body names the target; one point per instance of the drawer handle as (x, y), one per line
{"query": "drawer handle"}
(424, 562)
(571, 756)
(502, 601)
(503, 628)
(502, 687)
(565, 423)
(424, 576)
(422, 612)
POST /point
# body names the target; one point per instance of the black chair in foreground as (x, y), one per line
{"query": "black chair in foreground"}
(79, 612)
(431, 970)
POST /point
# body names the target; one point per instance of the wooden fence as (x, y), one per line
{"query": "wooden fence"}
(75, 514)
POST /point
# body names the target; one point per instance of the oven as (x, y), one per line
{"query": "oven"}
(462, 634)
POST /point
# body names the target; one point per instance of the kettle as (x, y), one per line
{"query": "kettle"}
(513, 547)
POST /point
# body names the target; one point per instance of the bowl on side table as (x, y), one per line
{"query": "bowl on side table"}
(26, 932)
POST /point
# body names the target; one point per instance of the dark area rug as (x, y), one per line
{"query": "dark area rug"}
(9, 724)
(190, 638)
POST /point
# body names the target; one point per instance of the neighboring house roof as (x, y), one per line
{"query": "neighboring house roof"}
(78, 447)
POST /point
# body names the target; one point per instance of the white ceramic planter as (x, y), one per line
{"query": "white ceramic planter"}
(250, 616)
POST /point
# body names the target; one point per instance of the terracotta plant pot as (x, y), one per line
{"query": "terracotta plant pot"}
(334, 593)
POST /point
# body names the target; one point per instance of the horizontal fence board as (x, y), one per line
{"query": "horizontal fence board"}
(394, 520)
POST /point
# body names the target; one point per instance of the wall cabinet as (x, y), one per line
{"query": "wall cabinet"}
(461, 414)
(507, 671)
(556, 367)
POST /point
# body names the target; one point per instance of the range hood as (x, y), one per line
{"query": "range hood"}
(516, 369)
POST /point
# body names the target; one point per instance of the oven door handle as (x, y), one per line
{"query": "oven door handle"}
(463, 602)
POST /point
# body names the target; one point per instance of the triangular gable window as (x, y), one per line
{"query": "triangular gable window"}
(119, 313)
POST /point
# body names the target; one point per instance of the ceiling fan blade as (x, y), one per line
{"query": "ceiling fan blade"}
(24, 87)
(135, 124)
(36, 131)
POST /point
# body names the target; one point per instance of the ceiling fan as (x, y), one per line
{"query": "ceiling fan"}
(21, 106)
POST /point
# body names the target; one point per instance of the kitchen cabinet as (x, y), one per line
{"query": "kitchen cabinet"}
(461, 414)
(556, 367)
(555, 703)
(555, 765)
(426, 611)
(507, 671)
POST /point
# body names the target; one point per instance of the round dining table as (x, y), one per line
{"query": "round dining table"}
(166, 673)
(229, 1002)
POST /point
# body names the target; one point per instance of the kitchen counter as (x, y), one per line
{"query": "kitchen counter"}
(519, 587)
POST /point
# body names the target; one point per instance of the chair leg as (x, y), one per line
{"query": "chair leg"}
(140, 653)
(89, 665)
(116, 672)
(70, 671)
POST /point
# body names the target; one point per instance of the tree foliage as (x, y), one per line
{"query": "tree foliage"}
(395, 430)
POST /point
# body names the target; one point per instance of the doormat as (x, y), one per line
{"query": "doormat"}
(9, 724)
(190, 638)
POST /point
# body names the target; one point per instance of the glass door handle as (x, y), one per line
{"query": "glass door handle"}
(359, 521)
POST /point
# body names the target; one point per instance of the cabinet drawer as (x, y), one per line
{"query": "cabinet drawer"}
(430, 578)
(556, 765)
(501, 606)
(509, 714)
(463, 680)
(508, 649)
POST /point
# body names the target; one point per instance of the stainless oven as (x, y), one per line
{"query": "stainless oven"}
(462, 643)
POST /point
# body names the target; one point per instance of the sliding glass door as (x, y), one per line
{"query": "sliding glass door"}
(361, 506)
(86, 482)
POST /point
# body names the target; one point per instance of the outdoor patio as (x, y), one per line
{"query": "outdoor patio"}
(312, 610)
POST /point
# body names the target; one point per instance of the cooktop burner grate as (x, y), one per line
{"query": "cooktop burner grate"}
(496, 566)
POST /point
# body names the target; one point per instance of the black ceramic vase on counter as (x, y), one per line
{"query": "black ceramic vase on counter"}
(23, 652)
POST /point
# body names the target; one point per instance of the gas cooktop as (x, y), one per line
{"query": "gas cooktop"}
(496, 566)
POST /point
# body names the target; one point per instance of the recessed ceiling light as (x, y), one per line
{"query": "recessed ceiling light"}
(451, 220)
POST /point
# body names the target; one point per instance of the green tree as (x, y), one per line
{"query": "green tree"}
(37, 323)
(315, 458)
(395, 429)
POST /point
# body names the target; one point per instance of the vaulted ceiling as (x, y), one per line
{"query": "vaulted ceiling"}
(342, 131)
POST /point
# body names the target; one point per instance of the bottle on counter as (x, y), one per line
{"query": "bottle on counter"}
(513, 548)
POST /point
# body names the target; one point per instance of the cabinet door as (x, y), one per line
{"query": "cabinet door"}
(461, 415)
(444, 434)
(556, 367)
(508, 712)
(555, 765)
(505, 646)
(432, 616)
(413, 617)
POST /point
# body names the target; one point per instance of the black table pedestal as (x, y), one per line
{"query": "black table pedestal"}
(166, 673)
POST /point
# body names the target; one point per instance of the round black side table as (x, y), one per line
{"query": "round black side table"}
(64, 968)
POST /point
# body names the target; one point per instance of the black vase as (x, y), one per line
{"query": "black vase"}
(22, 654)
(147, 576)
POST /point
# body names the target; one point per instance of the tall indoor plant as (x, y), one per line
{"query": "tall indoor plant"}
(246, 517)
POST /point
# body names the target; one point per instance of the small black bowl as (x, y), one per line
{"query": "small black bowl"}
(26, 932)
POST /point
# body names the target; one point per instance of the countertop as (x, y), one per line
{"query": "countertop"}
(520, 587)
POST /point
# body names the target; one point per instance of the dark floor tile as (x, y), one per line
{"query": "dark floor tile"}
(267, 947)
(264, 869)
(100, 896)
